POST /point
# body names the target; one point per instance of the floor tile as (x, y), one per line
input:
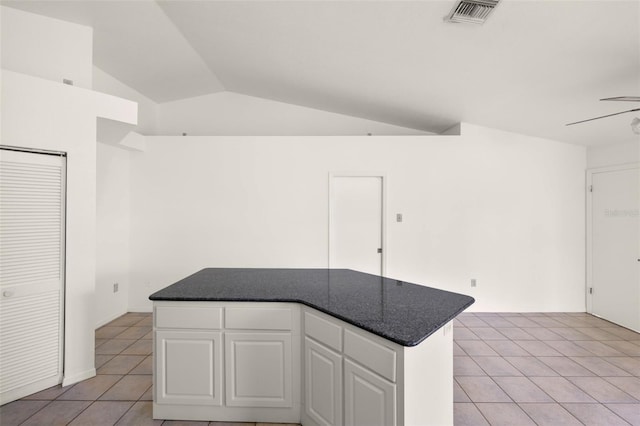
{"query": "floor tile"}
(476, 347)
(629, 412)
(102, 413)
(140, 347)
(113, 346)
(145, 322)
(108, 332)
(141, 414)
(17, 412)
(506, 348)
(549, 414)
(127, 321)
(482, 389)
(570, 333)
(498, 322)
(628, 364)
(148, 336)
(600, 366)
(472, 321)
(48, 394)
(487, 333)
(101, 360)
(148, 395)
(457, 350)
(516, 333)
(522, 322)
(623, 333)
(630, 385)
(466, 366)
(466, 414)
(145, 367)
(568, 348)
(57, 413)
(530, 366)
(463, 333)
(508, 414)
(625, 347)
(521, 389)
(537, 348)
(458, 393)
(121, 364)
(595, 414)
(598, 333)
(133, 333)
(601, 390)
(541, 333)
(565, 366)
(185, 423)
(129, 388)
(599, 348)
(90, 389)
(496, 366)
(547, 322)
(561, 389)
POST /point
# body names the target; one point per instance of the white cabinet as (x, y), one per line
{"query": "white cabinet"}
(349, 375)
(188, 367)
(368, 398)
(227, 361)
(258, 369)
(323, 384)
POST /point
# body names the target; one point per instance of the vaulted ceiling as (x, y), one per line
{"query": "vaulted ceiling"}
(532, 68)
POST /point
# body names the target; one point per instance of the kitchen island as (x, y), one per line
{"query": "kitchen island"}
(315, 346)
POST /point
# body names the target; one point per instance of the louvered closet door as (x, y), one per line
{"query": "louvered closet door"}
(32, 188)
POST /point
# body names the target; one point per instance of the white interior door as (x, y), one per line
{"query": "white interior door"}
(355, 240)
(31, 272)
(615, 246)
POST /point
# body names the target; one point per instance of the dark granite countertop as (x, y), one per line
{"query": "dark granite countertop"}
(402, 312)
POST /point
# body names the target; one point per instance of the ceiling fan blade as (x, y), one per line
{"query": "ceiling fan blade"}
(623, 98)
(602, 116)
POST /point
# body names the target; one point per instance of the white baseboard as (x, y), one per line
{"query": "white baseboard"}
(78, 377)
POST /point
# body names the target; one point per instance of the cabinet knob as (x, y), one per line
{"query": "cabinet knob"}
(7, 293)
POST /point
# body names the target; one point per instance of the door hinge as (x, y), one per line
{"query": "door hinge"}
(590, 290)
(590, 188)
(379, 250)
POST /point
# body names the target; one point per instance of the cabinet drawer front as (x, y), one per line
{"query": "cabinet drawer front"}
(372, 355)
(193, 317)
(258, 318)
(323, 331)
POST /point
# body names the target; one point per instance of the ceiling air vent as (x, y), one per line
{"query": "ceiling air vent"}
(471, 11)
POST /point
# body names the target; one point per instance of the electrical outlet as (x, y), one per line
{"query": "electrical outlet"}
(115, 287)
(473, 282)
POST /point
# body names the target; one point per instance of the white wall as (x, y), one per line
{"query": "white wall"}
(147, 109)
(228, 113)
(505, 209)
(38, 111)
(47, 115)
(45, 47)
(613, 155)
(112, 232)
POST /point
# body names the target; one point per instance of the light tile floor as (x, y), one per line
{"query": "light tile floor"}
(509, 369)
(544, 369)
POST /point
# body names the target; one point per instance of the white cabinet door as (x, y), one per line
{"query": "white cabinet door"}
(369, 399)
(258, 369)
(323, 384)
(188, 367)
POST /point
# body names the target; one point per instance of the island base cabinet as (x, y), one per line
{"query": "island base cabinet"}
(369, 399)
(323, 382)
(258, 369)
(190, 367)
